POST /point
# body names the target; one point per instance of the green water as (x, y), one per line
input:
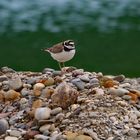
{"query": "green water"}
(111, 53)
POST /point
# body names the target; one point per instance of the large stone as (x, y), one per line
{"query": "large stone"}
(64, 95)
(3, 126)
(42, 113)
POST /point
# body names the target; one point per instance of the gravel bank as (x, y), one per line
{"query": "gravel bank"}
(69, 105)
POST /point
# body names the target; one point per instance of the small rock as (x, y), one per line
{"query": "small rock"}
(3, 78)
(30, 134)
(137, 126)
(31, 81)
(82, 137)
(11, 95)
(38, 86)
(118, 91)
(71, 135)
(84, 78)
(126, 97)
(27, 86)
(25, 92)
(41, 137)
(133, 117)
(15, 82)
(3, 126)
(44, 128)
(11, 138)
(74, 107)
(92, 134)
(78, 72)
(49, 81)
(15, 133)
(133, 132)
(47, 70)
(137, 113)
(60, 116)
(119, 78)
(78, 83)
(56, 111)
(7, 70)
(36, 104)
(47, 92)
(94, 82)
(57, 73)
(42, 113)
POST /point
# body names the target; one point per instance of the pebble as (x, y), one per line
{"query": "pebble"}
(118, 91)
(133, 132)
(49, 81)
(137, 113)
(25, 92)
(47, 92)
(56, 111)
(92, 134)
(11, 138)
(3, 78)
(42, 113)
(119, 78)
(41, 137)
(31, 81)
(3, 126)
(94, 82)
(7, 70)
(82, 137)
(15, 83)
(38, 86)
(126, 97)
(60, 116)
(57, 73)
(47, 70)
(44, 128)
(11, 95)
(15, 133)
(84, 78)
(78, 83)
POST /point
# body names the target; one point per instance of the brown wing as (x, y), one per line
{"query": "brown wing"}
(56, 48)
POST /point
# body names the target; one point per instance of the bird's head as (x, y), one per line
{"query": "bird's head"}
(69, 44)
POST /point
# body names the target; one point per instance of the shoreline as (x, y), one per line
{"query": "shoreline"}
(69, 105)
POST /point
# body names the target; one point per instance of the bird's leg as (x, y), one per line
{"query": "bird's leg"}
(59, 63)
(63, 64)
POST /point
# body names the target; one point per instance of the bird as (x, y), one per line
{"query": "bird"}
(62, 52)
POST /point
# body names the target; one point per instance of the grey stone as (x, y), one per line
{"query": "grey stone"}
(31, 81)
(42, 113)
(133, 132)
(41, 137)
(7, 70)
(47, 70)
(3, 126)
(11, 138)
(15, 133)
(78, 83)
(126, 97)
(84, 78)
(3, 78)
(56, 111)
(119, 78)
(15, 83)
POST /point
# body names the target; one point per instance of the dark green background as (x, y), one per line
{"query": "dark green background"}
(106, 34)
(110, 53)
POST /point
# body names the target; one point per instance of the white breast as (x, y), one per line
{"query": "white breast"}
(63, 56)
